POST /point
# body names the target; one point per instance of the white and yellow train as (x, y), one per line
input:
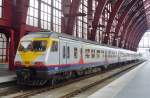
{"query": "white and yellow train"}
(42, 55)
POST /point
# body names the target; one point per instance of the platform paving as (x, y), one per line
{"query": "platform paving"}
(134, 84)
(5, 74)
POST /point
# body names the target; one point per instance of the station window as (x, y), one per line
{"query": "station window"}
(54, 47)
(45, 14)
(81, 22)
(32, 15)
(75, 53)
(3, 49)
(57, 15)
(1, 8)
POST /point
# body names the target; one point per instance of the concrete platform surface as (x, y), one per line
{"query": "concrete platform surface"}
(5, 74)
(134, 84)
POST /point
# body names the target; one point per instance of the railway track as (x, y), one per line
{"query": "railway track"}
(5, 87)
(91, 88)
(10, 88)
(66, 89)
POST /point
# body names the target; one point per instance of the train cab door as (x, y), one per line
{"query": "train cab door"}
(63, 52)
(68, 53)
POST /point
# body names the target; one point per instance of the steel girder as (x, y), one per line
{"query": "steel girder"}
(9, 33)
(132, 33)
(7, 14)
(19, 21)
(134, 22)
(122, 18)
(135, 45)
(134, 25)
(114, 12)
(13, 24)
(90, 17)
(74, 9)
(130, 27)
(99, 9)
(132, 37)
(146, 2)
(137, 32)
(12, 50)
(140, 36)
(132, 46)
(19, 18)
(128, 23)
(141, 30)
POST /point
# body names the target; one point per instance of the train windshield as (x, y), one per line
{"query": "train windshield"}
(37, 46)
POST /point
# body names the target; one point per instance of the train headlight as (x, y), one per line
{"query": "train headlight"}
(39, 63)
(17, 63)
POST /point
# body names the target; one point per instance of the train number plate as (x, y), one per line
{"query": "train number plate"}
(27, 62)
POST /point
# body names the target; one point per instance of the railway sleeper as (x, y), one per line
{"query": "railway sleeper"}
(32, 82)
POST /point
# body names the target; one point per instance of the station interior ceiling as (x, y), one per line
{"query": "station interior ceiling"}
(118, 23)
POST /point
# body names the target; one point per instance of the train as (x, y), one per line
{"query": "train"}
(43, 56)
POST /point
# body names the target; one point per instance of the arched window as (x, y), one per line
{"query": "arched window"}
(3, 48)
(1, 8)
(45, 14)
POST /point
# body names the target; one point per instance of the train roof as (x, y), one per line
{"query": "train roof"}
(57, 35)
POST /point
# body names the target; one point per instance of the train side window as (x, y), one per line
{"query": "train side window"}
(75, 53)
(87, 53)
(64, 52)
(54, 47)
(98, 53)
(93, 53)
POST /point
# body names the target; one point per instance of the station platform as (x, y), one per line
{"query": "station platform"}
(5, 74)
(134, 84)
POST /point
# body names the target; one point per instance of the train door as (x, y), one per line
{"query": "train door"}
(63, 52)
(54, 54)
(81, 53)
(68, 53)
(106, 57)
(119, 54)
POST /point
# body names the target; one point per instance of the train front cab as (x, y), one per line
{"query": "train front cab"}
(32, 58)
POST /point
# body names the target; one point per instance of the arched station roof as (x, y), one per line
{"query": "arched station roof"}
(119, 23)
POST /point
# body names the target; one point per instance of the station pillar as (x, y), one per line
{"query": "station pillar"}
(11, 51)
